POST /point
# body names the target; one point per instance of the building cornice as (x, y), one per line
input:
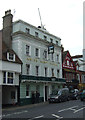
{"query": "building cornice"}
(45, 32)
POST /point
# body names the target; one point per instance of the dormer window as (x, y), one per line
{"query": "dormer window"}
(11, 56)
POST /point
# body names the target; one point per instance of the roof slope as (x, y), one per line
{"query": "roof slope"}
(4, 50)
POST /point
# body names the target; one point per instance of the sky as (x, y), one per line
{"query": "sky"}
(62, 18)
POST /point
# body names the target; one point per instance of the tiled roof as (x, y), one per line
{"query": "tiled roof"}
(77, 56)
(6, 50)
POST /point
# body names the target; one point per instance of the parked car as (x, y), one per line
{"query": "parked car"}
(59, 95)
(82, 95)
(74, 94)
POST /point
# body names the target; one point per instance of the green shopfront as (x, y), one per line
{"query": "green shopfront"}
(44, 85)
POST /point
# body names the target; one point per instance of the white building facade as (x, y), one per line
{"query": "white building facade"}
(41, 70)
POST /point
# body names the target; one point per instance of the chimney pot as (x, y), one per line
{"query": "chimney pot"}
(7, 12)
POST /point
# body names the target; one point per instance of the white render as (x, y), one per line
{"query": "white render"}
(20, 40)
(10, 67)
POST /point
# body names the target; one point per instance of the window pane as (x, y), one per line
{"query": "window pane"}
(27, 90)
(4, 77)
(37, 70)
(27, 50)
(36, 52)
(10, 77)
(28, 69)
(11, 56)
(45, 72)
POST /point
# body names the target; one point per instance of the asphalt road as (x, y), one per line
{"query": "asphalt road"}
(65, 110)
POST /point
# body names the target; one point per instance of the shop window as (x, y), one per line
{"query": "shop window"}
(53, 88)
(37, 88)
(27, 90)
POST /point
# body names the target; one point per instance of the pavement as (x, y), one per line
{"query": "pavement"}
(13, 107)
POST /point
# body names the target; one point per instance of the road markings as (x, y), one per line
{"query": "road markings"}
(79, 110)
(16, 113)
(36, 117)
(39, 117)
(71, 108)
(57, 116)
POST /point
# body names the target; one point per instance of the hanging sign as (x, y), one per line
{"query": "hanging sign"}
(50, 49)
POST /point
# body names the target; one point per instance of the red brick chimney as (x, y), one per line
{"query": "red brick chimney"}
(7, 29)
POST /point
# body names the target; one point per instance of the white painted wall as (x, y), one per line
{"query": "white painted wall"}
(9, 66)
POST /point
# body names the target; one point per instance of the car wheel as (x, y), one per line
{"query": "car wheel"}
(68, 99)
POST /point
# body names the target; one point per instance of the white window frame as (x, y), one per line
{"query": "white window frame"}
(38, 53)
(44, 54)
(9, 77)
(8, 56)
(29, 53)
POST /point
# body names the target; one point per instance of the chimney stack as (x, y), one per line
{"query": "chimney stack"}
(7, 28)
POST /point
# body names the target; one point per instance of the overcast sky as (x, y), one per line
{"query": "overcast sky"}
(63, 18)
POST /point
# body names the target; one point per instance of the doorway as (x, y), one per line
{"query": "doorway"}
(46, 92)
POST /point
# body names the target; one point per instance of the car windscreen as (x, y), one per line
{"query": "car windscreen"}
(55, 92)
